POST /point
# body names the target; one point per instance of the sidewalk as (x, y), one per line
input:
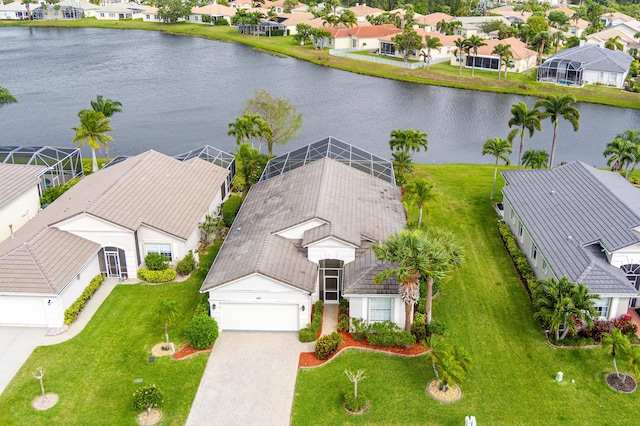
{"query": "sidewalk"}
(330, 319)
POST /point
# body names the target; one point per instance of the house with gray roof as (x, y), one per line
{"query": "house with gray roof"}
(106, 224)
(587, 64)
(582, 223)
(305, 233)
(19, 196)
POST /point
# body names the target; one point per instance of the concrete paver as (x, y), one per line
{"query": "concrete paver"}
(329, 318)
(249, 380)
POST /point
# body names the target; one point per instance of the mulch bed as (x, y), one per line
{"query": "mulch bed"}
(615, 383)
(188, 351)
(308, 359)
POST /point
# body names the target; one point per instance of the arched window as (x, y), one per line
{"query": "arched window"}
(632, 272)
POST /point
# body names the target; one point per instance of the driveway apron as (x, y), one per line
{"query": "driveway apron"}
(249, 380)
(17, 343)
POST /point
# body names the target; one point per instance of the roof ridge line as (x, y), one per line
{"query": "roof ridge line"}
(40, 267)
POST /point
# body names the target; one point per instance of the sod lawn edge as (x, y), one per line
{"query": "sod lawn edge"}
(439, 74)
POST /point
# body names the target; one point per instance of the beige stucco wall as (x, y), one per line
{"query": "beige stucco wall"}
(19, 211)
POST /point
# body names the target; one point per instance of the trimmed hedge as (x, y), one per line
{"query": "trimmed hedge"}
(518, 258)
(156, 262)
(387, 333)
(230, 209)
(201, 332)
(310, 332)
(157, 276)
(328, 345)
(72, 312)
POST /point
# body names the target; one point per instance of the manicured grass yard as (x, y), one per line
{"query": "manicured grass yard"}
(486, 310)
(94, 373)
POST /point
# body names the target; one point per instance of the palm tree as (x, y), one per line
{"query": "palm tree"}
(619, 344)
(633, 363)
(92, 130)
(408, 140)
(430, 43)
(525, 119)
(539, 41)
(442, 27)
(419, 192)
(251, 164)
(614, 43)
(167, 313)
(461, 45)
(242, 129)
(499, 148)
(558, 37)
(331, 20)
(108, 107)
(554, 108)
(415, 254)
(453, 365)
(6, 97)
(619, 153)
(402, 166)
(559, 302)
(535, 158)
(474, 42)
(349, 19)
(501, 50)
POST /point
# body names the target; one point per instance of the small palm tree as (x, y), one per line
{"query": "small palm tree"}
(349, 19)
(474, 42)
(419, 192)
(633, 362)
(6, 97)
(453, 365)
(167, 313)
(402, 166)
(499, 148)
(523, 119)
(92, 130)
(408, 140)
(502, 50)
(556, 108)
(619, 344)
(614, 43)
(430, 43)
(618, 152)
(535, 158)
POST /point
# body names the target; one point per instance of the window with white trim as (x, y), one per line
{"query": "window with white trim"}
(520, 231)
(602, 306)
(380, 309)
(534, 254)
(613, 76)
(159, 248)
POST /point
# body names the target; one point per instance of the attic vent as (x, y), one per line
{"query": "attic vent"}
(569, 237)
(552, 192)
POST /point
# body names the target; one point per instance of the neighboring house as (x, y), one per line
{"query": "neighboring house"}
(515, 17)
(19, 196)
(364, 37)
(600, 38)
(291, 20)
(305, 233)
(472, 25)
(279, 6)
(241, 4)
(429, 21)
(523, 58)
(214, 11)
(615, 18)
(362, 11)
(117, 11)
(588, 64)
(582, 223)
(16, 10)
(107, 223)
(442, 54)
(151, 15)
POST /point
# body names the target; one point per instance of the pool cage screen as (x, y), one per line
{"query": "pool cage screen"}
(62, 164)
(561, 71)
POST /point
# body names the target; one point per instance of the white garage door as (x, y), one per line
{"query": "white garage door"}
(22, 311)
(259, 317)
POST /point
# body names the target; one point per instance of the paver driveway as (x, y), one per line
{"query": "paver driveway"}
(249, 380)
(17, 343)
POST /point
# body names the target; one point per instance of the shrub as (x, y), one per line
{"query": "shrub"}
(156, 262)
(157, 276)
(358, 329)
(186, 265)
(343, 324)
(387, 333)
(355, 404)
(201, 332)
(518, 258)
(206, 259)
(310, 333)
(625, 326)
(435, 327)
(230, 209)
(52, 193)
(328, 345)
(72, 312)
(307, 335)
(418, 327)
(203, 306)
(147, 397)
(597, 330)
(422, 305)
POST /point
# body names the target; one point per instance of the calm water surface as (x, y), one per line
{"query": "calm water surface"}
(180, 93)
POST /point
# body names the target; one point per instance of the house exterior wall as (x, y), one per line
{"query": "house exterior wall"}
(151, 17)
(359, 307)
(605, 78)
(147, 235)
(331, 249)
(341, 43)
(19, 211)
(76, 286)
(626, 256)
(365, 43)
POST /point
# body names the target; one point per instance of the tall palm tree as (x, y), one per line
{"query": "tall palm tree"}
(627, 146)
(417, 254)
(461, 46)
(6, 97)
(108, 107)
(499, 148)
(614, 43)
(523, 119)
(408, 140)
(619, 344)
(92, 130)
(501, 50)
(556, 108)
(349, 19)
(539, 41)
(558, 302)
(402, 166)
(331, 20)
(419, 192)
(430, 43)
(558, 37)
(535, 158)
(474, 42)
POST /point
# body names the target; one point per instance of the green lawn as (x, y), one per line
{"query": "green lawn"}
(486, 310)
(95, 373)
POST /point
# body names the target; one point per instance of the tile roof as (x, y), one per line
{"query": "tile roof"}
(433, 18)
(365, 31)
(594, 57)
(611, 32)
(15, 179)
(215, 10)
(353, 204)
(364, 10)
(571, 207)
(446, 40)
(518, 48)
(358, 275)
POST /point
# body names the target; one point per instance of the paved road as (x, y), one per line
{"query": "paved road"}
(250, 379)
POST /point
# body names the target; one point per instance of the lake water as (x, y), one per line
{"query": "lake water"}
(180, 93)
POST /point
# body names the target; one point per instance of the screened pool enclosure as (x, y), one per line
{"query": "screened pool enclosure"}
(561, 71)
(62, 164)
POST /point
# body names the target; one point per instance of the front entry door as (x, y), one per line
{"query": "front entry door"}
(112, 261)
(331, 294)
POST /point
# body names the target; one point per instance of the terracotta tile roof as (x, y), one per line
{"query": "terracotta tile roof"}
(16, 179)
(297, 18)
(603, 36)
(518, 48)
(364, 10)
(214, 10)
(567, 11)
(444, 39)
(433, 18)
(364, 31)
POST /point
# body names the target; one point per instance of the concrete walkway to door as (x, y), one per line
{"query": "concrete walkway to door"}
(250, 379)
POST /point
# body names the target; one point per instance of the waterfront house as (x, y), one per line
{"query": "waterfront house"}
(522, 60)
(361, 37)
(20, 189)
(442, 54)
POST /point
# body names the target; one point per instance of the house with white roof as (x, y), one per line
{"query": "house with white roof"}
(117, 11)
(588, 64)
(16, 10)
(214, 11)
(624, 38)
(582, 223)
(305, 233)
(106, 224)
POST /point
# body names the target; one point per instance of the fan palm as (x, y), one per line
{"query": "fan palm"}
(619, 344)
(92, 131)
(499, 148)
(556, 108)
(6, 97)
(535, 158)
(524, 119)
(474, 42)
(419, 192)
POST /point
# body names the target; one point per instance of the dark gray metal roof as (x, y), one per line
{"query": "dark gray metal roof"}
(355, 206)
(574, 206)
(594, 57)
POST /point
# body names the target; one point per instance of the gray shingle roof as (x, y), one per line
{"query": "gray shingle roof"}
(574, 206)
(354, 204)
(16, 179)
(594, 57)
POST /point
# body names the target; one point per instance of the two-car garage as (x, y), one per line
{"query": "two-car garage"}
(258, 316)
